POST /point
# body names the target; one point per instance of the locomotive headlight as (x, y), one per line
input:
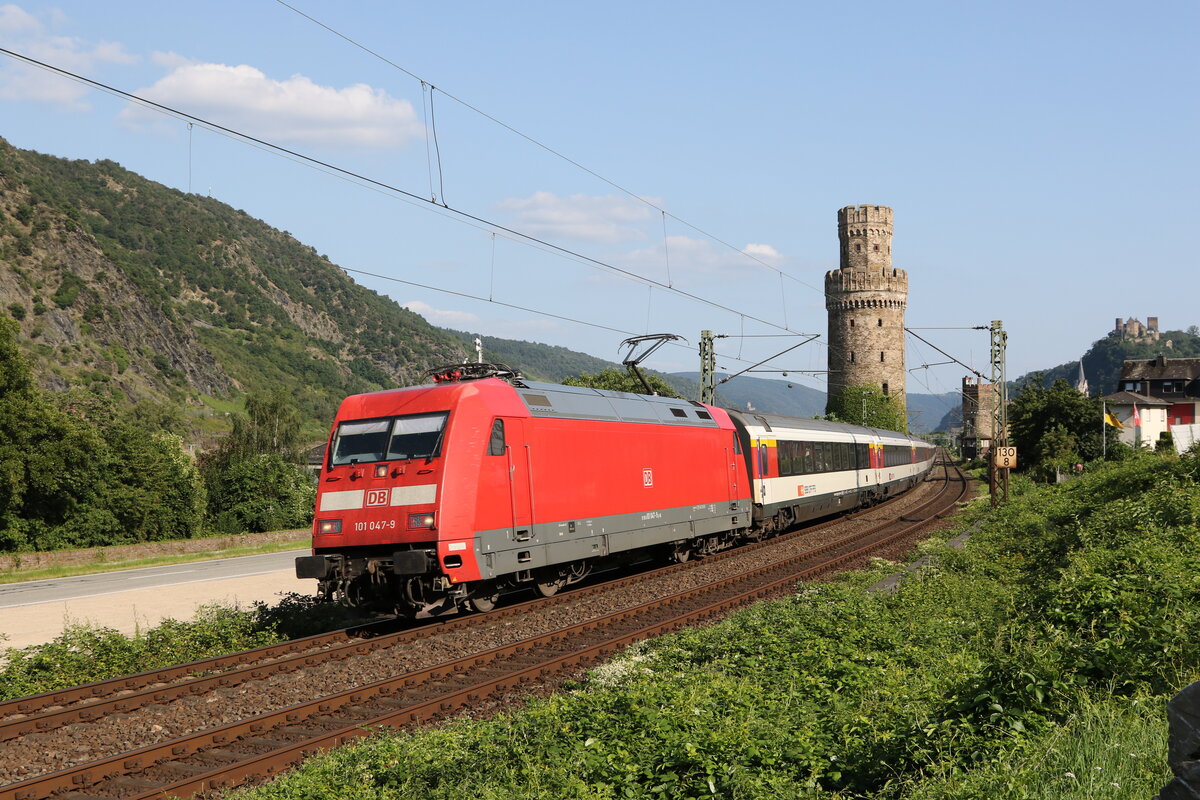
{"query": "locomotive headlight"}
(329, 526)
(420, 520)
(381, 470)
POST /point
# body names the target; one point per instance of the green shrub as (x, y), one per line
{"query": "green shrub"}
(68, 291)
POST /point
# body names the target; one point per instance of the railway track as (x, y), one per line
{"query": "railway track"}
(265, 743)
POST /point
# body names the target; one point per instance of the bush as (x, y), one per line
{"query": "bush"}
(259, 493)
(68, 290)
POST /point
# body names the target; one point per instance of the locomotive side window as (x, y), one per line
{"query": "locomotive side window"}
(391, 439)
(496, 443)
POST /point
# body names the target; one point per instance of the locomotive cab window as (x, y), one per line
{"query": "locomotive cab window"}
(496, 442)
(392, 439)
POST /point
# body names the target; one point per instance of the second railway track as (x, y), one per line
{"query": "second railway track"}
(575, 629)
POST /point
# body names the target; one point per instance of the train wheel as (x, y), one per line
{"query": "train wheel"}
(548, 588)
(549, 581)
(681, 551)
(483, 599)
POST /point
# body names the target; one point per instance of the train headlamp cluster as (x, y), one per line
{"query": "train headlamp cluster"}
(420, 520)
(329, 526)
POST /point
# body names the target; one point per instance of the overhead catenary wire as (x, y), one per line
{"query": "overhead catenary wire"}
(556, 153)
(386, 187)
(411, 198)
(433, 203)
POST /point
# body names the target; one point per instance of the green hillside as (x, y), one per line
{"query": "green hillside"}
(1102, 361)
(136, 290)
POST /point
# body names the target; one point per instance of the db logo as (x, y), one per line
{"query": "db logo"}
(377, 497)
(647, 477)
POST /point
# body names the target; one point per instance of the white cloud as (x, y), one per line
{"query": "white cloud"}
(702, 258)
(542, 328)
(459, 320)
(595, 218)
(763, 252)
(170, 59)
(14, 19)
(296, 109)
(26, 34)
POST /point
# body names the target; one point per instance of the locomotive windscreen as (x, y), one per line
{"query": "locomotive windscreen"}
(390, 439)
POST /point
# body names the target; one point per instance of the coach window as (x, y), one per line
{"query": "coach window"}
(810, 465)
(496, 442)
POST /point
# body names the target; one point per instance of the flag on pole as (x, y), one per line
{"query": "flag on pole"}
(1137, 418)
(1111, 419)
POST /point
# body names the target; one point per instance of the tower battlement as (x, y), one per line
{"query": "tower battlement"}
(838, 281)
(867, 215)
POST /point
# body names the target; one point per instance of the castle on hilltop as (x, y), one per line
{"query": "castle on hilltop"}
(866, 297)
(1133, 330)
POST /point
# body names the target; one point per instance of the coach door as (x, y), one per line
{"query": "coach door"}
(520, 479)
(732, 453)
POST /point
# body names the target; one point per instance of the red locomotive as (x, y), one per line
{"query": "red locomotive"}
(440, 497)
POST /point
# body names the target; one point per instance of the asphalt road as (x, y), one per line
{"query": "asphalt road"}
(137, 599)
(53, 590)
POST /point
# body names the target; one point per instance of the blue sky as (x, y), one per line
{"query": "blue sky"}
(1040, 157)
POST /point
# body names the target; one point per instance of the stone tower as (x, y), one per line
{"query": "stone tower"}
(866, 297)
(978, 417)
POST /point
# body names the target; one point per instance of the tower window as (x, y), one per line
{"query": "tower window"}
(880, 322)
(876, 248)
(851, 356)
(858, 248)
(851, 323)
(881, 355)
(885, 389)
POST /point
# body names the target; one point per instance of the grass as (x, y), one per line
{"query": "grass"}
(86, 652)
(20, 574)
(1111, 748)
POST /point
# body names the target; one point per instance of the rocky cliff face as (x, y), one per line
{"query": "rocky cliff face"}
(130, 288)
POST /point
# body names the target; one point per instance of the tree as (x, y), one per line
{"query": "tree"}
(1055, 426)
(261, 493)
(74, 475)
(867, 405)
(617, 381)
(253, 479)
